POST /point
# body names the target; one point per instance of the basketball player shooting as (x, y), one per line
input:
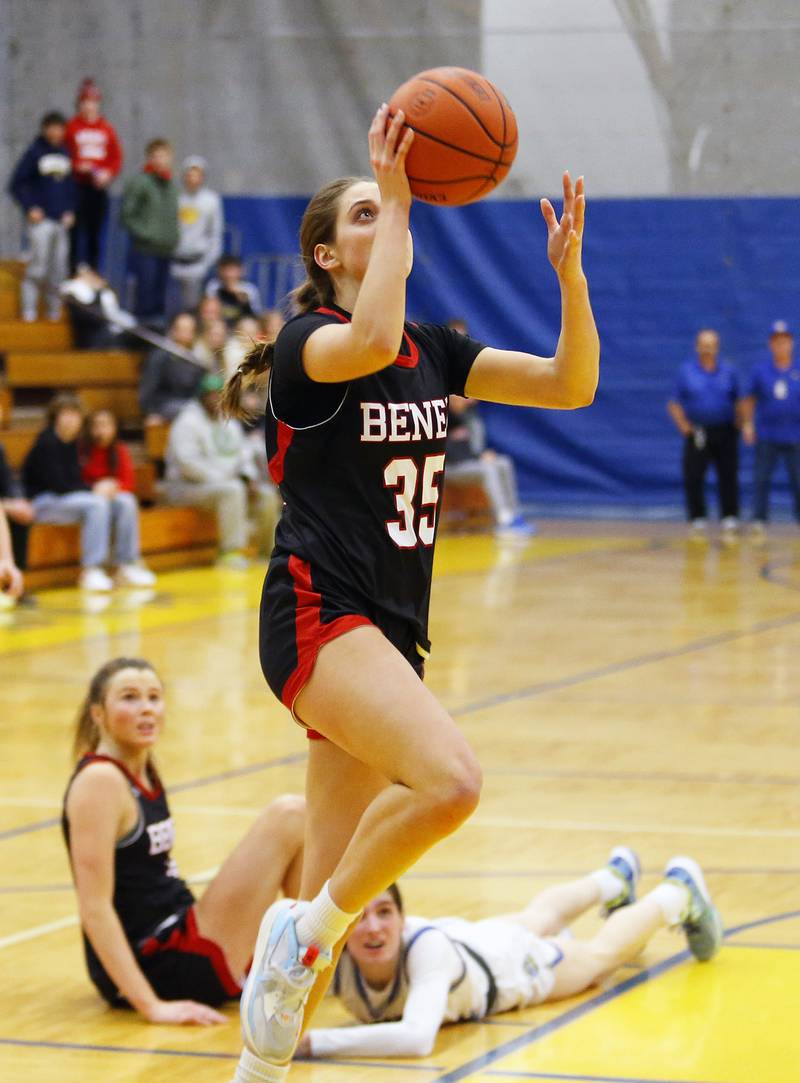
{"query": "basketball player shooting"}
(356, 426)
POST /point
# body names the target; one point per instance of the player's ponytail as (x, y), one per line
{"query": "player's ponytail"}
(87, 735)
(317, 227)
(256, 362)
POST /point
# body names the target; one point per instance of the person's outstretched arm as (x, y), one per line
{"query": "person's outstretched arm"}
(433, 966)
(569, 378)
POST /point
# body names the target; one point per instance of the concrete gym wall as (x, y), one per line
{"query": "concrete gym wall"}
(276, 94)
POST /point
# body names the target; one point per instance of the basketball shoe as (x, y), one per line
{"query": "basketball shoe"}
(278, 985)
(624, 864)
(701, 920)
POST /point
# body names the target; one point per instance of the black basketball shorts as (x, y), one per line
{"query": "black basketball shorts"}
(300, 614)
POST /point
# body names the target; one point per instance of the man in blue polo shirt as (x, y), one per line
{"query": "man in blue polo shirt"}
(703, 408)
(771, 421)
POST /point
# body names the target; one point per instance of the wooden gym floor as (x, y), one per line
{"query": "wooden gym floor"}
(619, 683)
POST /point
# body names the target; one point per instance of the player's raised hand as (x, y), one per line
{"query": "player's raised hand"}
(388, 147)
(565, 235)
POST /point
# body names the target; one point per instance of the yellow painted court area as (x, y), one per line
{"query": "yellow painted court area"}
(619, 685)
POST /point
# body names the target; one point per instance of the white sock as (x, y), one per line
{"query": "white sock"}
(611, 885)
(251, 1069)
(323, 923)
(673, 901)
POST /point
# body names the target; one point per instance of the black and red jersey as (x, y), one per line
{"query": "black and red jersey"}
(360, 465)
(147, 887)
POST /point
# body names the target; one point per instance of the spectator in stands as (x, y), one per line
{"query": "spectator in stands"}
(150, 214)
(209, 346)
(246, 331)
(704, 409)
(200, 226)
(96, 155)
(470, 461)
(11, 582)
(771, 421)
(43, 186)
(209, 311)
(210, 463)
(53, 481)
(271, 323)
(107, 468)
(237, 297)
(97, 320)
(17, 513)
(170, 377)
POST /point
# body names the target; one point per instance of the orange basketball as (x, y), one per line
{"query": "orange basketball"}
(466, 135)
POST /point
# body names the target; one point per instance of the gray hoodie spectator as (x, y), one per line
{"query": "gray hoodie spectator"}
(200, 224)
(210, 463)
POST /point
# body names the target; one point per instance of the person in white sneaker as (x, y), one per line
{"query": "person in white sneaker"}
(356, 431)
(107, 467)
(149, 943)
(404, 976)
(51, 475)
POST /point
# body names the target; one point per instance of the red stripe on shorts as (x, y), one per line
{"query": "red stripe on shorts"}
(310, 632)
(285, 437)
(190, 941)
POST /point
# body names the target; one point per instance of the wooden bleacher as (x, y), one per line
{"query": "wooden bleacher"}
(39, 360)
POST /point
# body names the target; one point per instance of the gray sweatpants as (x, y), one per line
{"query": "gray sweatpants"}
(498, 479)
(228, 500)
(48, 244)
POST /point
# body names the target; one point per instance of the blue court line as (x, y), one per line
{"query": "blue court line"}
(485, 1060)
(40, 825)
(565, 874)
(647, 776)
(179, 787)
(201, 1054)
(466, 874)
(767, 947)
(573, 1078)
(637, 662)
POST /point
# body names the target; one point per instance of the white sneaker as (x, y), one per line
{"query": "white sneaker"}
(95, 579)
(698, 529)
(281, 976)
(134, 575)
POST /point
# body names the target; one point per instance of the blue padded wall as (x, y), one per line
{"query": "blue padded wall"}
(659, 269)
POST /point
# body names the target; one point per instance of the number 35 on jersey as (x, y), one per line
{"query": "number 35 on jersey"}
(416, 499)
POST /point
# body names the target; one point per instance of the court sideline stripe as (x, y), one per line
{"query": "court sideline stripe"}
(575, 1077)
(198, 1054)
(513, 1045)
(179, 787)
